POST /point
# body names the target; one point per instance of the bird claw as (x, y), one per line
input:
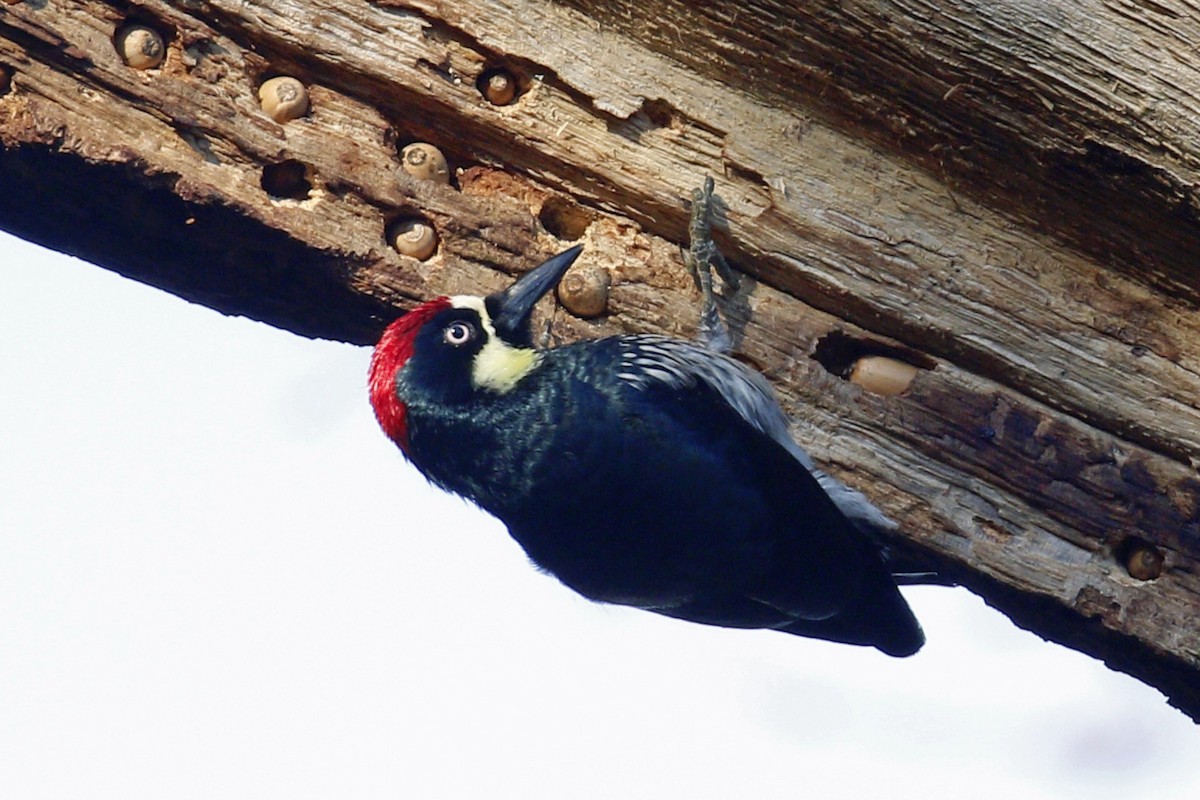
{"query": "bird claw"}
(547, 338)
(702, 257)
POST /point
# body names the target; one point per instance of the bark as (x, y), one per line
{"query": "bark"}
(1000, 193)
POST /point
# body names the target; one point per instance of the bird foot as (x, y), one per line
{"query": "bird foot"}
(702, 257)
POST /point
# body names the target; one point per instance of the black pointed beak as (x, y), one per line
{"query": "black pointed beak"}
(511, 309)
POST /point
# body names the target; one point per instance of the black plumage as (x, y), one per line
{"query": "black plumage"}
(638, 470)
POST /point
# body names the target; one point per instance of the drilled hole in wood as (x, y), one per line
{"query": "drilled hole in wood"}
(1141, 559)
(412, 236)
(876, 366)
(659, 112)
(141, 41)
(6, 74)
(584, 290)
(425, 162)
(564, 219)
(287, 180)
(283, 98)
(500, 86)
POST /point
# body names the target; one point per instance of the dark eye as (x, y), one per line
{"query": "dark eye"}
(458, 333)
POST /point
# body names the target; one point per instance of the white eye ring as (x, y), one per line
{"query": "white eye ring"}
(458, 333)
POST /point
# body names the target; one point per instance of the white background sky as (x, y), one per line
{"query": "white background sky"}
(218, 579)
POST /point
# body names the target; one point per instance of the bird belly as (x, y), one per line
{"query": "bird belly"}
(637, 529)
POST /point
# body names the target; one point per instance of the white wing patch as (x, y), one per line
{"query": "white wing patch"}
(499, 366)
(648, 359)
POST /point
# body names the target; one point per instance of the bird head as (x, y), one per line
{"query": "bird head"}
(448, 349)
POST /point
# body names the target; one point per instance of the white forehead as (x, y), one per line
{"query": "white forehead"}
(472, 302)
(476, 304)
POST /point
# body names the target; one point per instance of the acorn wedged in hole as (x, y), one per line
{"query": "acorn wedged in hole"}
(140, 47)
(412, 237)
(499, 87)
(283, 98)
(882, 375)
(1144, 561)
(425, 162)
(584, 291)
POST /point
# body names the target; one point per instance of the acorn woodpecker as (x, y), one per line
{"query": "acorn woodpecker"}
(639, 469)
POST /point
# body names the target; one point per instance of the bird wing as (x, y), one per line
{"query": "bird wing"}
(647, 360)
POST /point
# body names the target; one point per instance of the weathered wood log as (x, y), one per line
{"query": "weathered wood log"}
(1001, 194)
